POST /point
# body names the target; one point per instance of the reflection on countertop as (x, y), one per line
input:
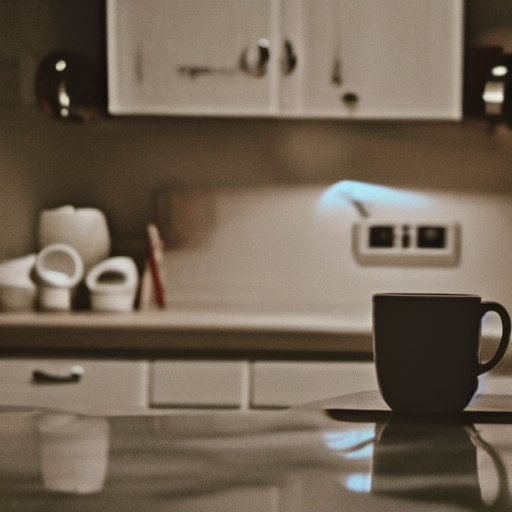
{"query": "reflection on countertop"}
(305, 459)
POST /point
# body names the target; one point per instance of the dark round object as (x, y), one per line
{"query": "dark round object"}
(69, 86)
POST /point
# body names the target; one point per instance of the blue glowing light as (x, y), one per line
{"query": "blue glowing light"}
(351, 444)
(359, 482)
(363, 453)
(364, 195)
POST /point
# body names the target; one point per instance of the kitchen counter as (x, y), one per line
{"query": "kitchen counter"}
(160, 333)
(194, 333)
(185, 358)
(320, 456)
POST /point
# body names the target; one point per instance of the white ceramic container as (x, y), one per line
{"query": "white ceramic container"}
(58, 270)
(84, 229)
(113, 284)
(17, 289)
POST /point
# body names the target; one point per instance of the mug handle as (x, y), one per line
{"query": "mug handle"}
(485, 307)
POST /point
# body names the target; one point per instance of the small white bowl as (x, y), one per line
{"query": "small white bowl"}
(113, 284)
(17, 289)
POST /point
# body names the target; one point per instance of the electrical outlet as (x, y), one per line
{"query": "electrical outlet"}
(398, 242)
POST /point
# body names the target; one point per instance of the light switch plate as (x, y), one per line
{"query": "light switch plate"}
(397, 242)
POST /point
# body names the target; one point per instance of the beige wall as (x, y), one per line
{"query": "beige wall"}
(116, 163)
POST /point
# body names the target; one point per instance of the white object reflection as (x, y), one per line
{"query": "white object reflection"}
(74, 453)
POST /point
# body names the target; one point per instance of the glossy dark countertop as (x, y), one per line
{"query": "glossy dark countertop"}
(319, 457)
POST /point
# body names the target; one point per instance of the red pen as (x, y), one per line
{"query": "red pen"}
(156, 247)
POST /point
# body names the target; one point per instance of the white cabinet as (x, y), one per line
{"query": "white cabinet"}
(288, 383)
(192, 56)
(202, 383)
(379, 59)
(289, 58)
(78, 385)
(117, 386)
(257, 384)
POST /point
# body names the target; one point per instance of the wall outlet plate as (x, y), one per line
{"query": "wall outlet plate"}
(397, 242)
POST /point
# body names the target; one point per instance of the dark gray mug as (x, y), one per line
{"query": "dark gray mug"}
(426, 349)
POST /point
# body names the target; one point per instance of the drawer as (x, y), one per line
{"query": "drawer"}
(99, 385)
(287, 383)
(198, 383)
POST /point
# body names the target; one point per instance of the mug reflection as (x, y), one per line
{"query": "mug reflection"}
(437, 462)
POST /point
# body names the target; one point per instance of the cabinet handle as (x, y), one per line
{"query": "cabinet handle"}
(195, 71)
(336, 78)
(252, 63)
(290, 58)
(256, 65)
(43, 377)
(350, 99)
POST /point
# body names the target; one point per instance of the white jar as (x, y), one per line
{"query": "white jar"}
(84, 229)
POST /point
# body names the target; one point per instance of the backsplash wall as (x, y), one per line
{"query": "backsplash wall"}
(115, 164)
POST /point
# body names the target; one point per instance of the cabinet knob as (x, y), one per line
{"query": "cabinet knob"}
(289, 58)
(255, 62)
(44, 377)
(350, 99)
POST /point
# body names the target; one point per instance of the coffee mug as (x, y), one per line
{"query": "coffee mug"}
(426, 349)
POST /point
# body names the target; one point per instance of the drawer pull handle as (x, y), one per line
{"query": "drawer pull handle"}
(42, 377)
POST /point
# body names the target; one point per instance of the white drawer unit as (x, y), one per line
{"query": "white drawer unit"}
(111, 387)
(81, 384)
(288, 383)
(200, 383)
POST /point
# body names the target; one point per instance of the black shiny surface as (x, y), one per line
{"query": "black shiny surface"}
(317, 457)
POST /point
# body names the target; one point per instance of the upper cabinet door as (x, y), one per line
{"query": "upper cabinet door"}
(192, 57)
(380, 59)
(367, 59)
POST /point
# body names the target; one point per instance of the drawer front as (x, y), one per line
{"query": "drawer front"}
(98, 385)
(198, 383)
(287, 383)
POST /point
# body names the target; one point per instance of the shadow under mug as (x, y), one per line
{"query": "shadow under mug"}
(426, 349)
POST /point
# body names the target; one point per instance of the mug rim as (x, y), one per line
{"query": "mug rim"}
(412, 295)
